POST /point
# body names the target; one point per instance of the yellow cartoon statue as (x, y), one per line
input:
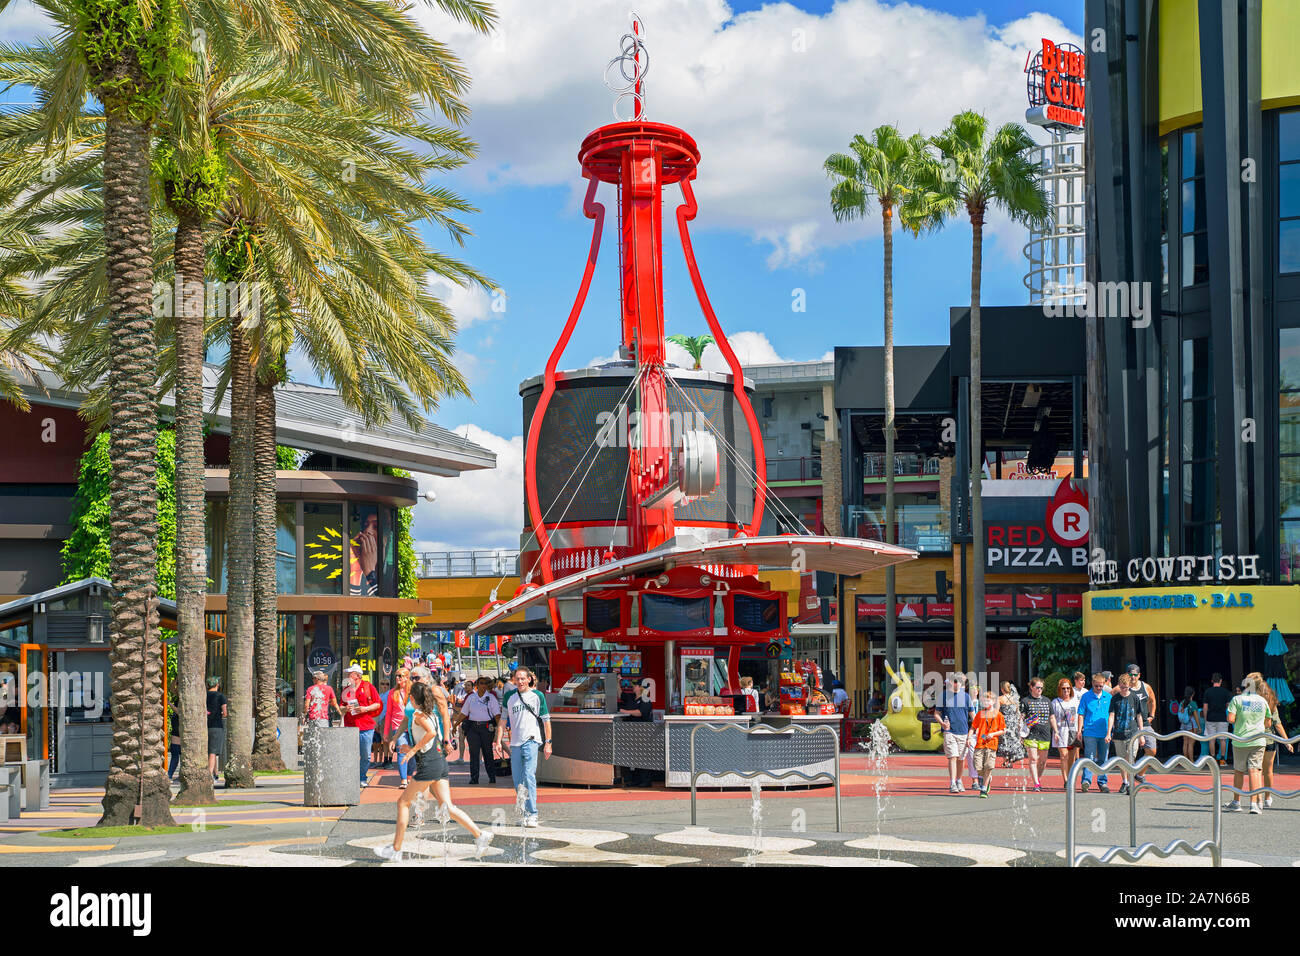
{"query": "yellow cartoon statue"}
(910, 726)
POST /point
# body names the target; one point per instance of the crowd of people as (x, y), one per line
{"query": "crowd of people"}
(1102, 717)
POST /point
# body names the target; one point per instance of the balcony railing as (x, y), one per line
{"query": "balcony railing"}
(907, 465)
(920, 527)
(468, 564)
(794, 469)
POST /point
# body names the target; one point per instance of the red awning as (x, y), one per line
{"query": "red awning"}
(804, 552)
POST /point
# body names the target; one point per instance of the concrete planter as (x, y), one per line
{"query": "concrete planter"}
(11, 794)
(36, 786)
(331, 766)
(288, 727)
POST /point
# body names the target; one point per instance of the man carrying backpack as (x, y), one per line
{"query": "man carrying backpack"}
(530, 731)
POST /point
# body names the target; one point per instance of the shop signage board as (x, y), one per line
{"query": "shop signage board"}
(1035, 527)
(1056, 86)
(1176, 569)
(1246, 609)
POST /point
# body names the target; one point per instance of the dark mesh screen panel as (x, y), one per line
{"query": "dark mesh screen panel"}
(660, 612)
(755, 614)
(572, 423)
(603, 614)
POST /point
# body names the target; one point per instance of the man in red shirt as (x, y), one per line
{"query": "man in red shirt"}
(360, 705)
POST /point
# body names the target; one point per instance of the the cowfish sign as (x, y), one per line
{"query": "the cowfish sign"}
(1056, 86)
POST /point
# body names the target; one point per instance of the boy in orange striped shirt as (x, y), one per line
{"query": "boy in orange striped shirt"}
(986, 728)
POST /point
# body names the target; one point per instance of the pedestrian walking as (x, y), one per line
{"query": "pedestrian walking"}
(217, 706)
(1065, 726)
(1214, 712)
(1274, 726)
(1146, 700)
(1010, 748)
(480, 711)
(395, 716)
(321, 700)
(1124, 727)
(460, 691)
(529, 724)
(429, 751)
(1036, 730)
(1248, 717)
(1189, 720)
(955, 712)
(987, 728)
(361, 702)
(1094, 716)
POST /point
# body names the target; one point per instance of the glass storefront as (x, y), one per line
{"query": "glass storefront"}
(1289, 454)
(364, 550)
(323, 539)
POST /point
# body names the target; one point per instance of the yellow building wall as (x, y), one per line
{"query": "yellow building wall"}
(1180, 65)
(457, 601)
(1279, 79)
(1180, 60)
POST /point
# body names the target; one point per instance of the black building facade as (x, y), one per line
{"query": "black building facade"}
(1193, 193)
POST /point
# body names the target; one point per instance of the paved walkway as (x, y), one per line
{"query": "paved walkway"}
(899, 815)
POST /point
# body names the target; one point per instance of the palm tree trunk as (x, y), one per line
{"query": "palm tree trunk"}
(891, 599)
(239, 588)
(977, 662)
(266, 748)
(136, 775)
(191, 558)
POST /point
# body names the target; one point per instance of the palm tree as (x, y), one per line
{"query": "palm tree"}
(266, 618)
(884, 167)
(414, 65)
(978, 168)
(694, 345)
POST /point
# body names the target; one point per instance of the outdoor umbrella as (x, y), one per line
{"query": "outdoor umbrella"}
(1274, 669)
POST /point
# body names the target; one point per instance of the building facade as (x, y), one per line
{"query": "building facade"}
(337, 555)
(1194, 195)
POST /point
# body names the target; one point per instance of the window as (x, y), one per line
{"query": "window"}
(365, 545)
(1195, 248)
(767, 408)
(286, 548)
(1289, 451)
(1288, 191)
(1199, 454)
(216, 546)
(1164, 214)
(323, 543)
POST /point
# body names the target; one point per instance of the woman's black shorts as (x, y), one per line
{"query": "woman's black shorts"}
(430, 766)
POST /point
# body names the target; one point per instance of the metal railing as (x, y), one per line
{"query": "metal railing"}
(469, 564)
(1214, 844)
(906, 465)
(770, 731)
(794, 469)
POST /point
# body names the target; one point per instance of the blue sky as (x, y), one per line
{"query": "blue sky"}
(768, 91)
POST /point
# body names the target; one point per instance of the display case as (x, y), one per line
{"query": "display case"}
(587, 694)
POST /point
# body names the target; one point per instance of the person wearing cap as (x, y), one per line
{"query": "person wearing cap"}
(641, 709)
(320, 699)
(1146, 699)
(362, 703)
(480, 711)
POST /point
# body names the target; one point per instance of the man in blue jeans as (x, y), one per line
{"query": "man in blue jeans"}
(1094, 715)
(530, 731)
(361, 704)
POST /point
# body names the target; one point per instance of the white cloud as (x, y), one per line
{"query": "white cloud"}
(23, 22)
(469, 304)
(478, 509)
(766, 102)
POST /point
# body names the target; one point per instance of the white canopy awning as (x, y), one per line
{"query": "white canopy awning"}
(804, 552)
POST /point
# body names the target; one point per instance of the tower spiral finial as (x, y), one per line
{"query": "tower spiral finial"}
(633, 62)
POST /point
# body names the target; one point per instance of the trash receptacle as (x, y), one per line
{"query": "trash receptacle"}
(331, 771)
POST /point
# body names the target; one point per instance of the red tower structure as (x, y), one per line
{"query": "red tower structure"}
(713, 573)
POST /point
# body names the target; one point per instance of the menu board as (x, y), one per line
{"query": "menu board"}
(625, 662)
(597, 662)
